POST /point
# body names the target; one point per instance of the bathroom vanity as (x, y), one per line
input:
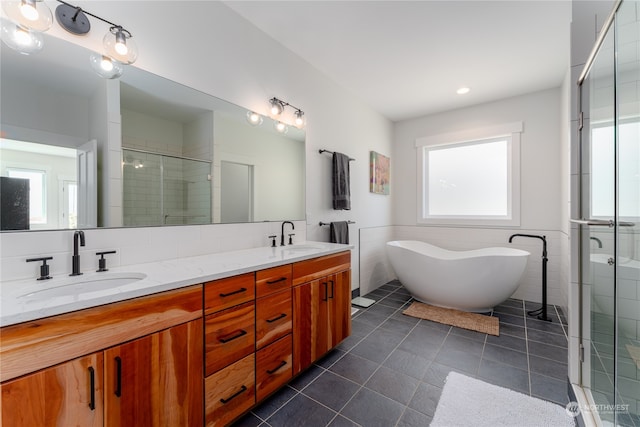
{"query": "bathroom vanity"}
(203, 353)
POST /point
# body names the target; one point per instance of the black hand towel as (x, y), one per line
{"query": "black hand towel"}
(339, 231)
(341, 191)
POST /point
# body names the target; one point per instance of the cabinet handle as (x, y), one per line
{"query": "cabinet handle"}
(274, 370)
(228, 338)
(332, 289)
(233, 293)
(118, 390)
(281, 316)
(92, 391)
(282, 279)
(236, 394)
(326, 292)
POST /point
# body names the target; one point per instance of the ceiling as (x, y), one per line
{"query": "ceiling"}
(407, 58)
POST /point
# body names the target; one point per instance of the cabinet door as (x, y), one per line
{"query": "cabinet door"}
(310, 323)
(339, 307)
(156, 380)
(69, 394)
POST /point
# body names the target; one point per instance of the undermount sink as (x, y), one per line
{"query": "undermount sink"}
(84, 284)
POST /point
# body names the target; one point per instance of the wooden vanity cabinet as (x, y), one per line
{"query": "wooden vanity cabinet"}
(69, 394)
(133, 363)
(156, 380)
(322, 307)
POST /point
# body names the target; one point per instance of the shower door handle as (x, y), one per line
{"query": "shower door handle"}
(599, 222)
(602, 222)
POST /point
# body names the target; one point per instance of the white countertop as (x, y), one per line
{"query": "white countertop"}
(21, 301)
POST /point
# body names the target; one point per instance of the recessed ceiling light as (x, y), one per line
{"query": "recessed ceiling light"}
(463, 90)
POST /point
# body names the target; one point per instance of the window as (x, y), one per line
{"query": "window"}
(37, 192)
(602, 174)
(470, 178)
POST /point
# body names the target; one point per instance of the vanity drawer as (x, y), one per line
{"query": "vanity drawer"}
(273, 280)
(274, 366)
(273, 317)
(306, 271)
(225, 293)
(230, 392)
(229, 335)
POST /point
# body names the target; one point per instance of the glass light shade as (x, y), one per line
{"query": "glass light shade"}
(105, 67)
(119, 45)
(254, 118)
(277, 107)
(31, 14)
(299, 119)
(21, 39)
(281, 127)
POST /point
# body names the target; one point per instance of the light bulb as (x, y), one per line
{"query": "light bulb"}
(277, 106)
(121, 43)
(254, 118)
(28, 10)
(299, 120)
(35, 16)
(281, 127)
(21, 39)
(105, 66)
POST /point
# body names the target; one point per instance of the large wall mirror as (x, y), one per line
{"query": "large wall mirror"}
(79, 151)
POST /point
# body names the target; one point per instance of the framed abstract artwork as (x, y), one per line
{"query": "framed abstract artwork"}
(379, 173)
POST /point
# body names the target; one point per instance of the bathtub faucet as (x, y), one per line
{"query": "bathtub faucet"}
(542, 311)
(533, 236)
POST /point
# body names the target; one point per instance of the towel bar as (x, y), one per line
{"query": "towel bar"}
(328, 223)
(331, 152)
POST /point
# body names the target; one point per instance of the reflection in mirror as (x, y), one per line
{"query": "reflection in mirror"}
(165, 154)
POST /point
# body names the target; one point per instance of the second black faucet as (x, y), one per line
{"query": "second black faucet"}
(282, 231)
(75, 259)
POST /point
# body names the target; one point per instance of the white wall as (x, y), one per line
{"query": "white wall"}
(220, 53)
(540, 175)
(277, 162)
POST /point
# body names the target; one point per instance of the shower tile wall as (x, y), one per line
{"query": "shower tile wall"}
(628, 304)
(141, 189)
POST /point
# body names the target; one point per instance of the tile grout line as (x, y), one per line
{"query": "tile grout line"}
(526, 342)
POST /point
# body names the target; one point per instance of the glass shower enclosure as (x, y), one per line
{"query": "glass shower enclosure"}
(165, 190)
(609, 219)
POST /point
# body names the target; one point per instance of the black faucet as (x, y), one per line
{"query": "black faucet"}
(598, 241)
(282, 231)
(75, 259)
(542, 311)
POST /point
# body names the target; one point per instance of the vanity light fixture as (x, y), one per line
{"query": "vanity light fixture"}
(105, 67)
(118, 45)
(254, 118)
(31, 14)
(21, 39)
(281, 127)
(299, 118)
(29, 17)
(278, 106)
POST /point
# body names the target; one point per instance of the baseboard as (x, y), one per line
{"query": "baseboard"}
(355, 293)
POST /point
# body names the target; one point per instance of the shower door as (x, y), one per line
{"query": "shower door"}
(610, 218)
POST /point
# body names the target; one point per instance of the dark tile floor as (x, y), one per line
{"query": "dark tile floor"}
(391, 370)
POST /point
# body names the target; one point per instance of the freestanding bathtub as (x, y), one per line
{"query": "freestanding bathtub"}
(475, 280)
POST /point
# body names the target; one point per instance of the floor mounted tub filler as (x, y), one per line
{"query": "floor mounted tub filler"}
(475, 280)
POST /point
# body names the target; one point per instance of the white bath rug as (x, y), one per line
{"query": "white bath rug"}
(469, 402)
